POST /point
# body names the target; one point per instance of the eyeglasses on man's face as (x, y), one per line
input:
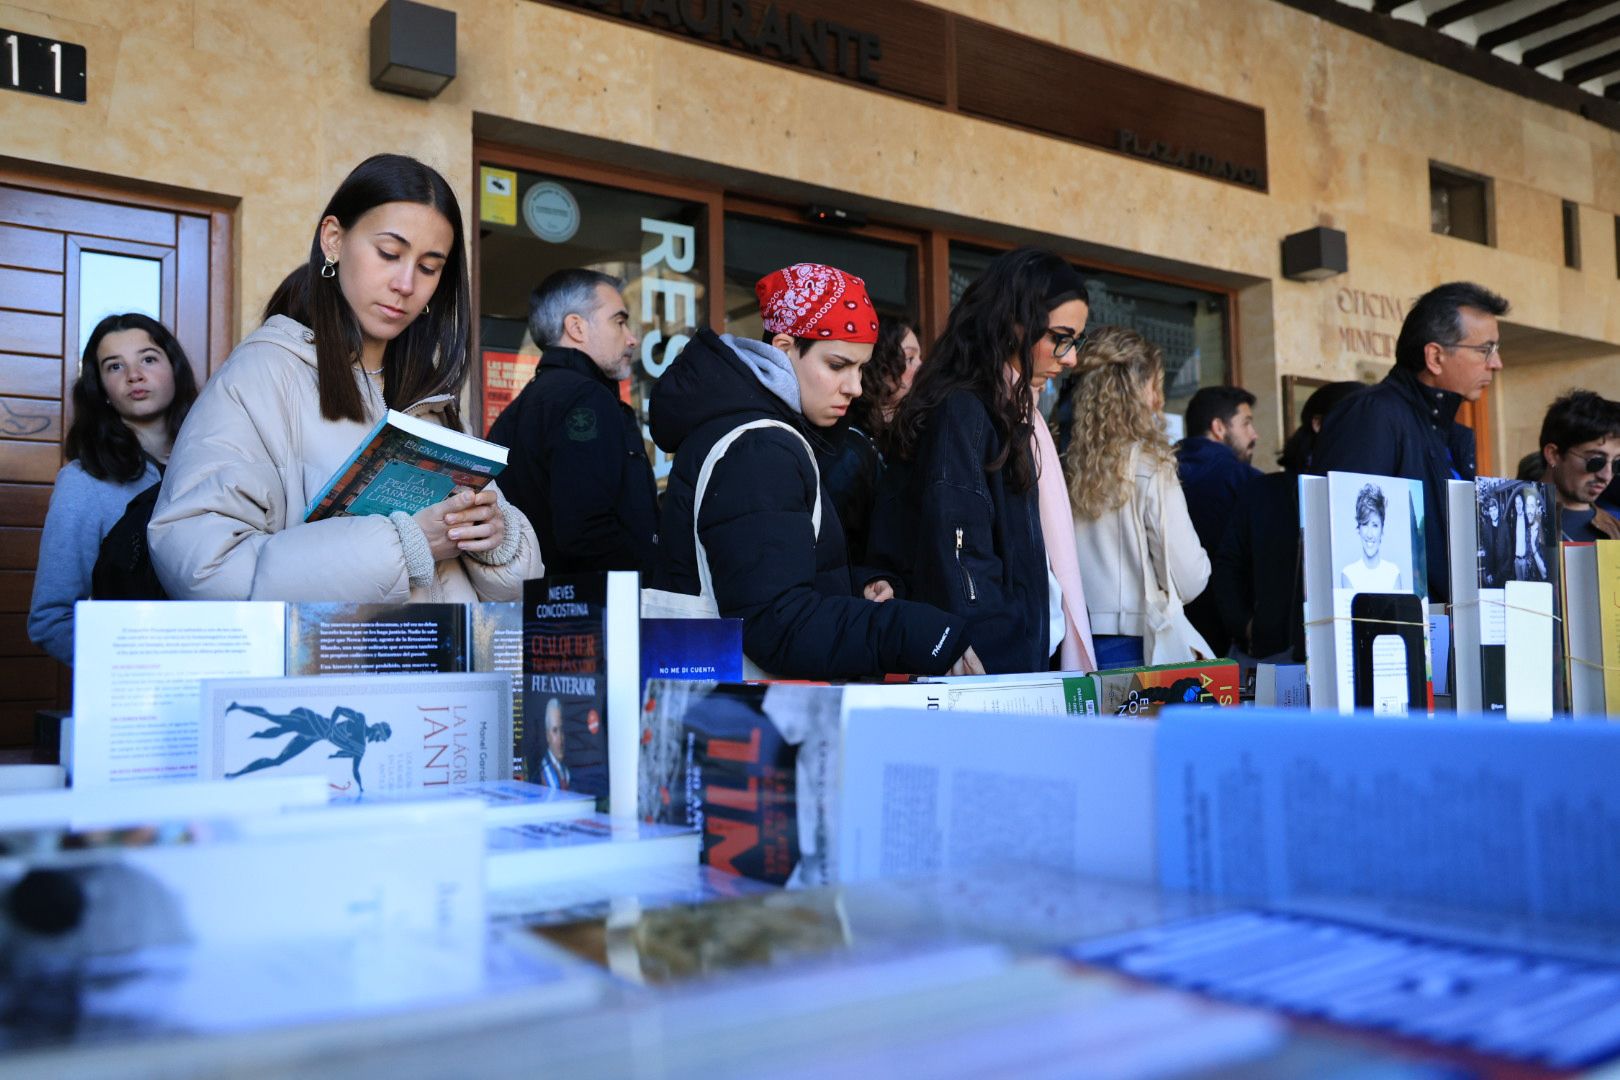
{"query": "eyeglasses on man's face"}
(1596, 463)
(1486, 351)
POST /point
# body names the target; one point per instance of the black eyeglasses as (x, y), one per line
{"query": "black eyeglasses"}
(1063, 344)
(1594, 463)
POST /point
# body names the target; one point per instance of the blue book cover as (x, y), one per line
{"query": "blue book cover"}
(692, 649)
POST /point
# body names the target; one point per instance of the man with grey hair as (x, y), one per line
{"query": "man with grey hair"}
(578, 467)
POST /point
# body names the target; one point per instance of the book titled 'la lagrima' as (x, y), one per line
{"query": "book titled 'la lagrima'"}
(406, 463)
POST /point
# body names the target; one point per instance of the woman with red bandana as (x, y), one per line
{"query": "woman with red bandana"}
(744, 421)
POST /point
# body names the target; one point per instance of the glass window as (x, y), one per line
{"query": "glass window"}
(755, 247)
(534, 224)
(113, 284)
(1188, 324)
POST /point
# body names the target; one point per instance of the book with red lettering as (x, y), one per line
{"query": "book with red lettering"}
(581, 681)
(1142, 692)
(752, 767)
(363, 734)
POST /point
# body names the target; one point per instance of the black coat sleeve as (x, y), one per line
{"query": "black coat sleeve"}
(956, 563)
(587, 470)
(1231, 579)
(756, 527)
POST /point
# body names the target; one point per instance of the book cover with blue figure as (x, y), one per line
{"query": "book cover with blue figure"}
(363, 736)
(696, 649)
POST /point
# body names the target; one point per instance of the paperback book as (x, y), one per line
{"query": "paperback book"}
(586, 846)
(406, 463)
(1517, 573)
(1366, 593)
(581, 658)
(1142, 692)
(693, 649)
(376, 734)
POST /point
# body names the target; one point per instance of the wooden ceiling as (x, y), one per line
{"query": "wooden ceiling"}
(1562, 52)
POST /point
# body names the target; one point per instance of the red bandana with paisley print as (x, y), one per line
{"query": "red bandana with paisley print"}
(809, 300)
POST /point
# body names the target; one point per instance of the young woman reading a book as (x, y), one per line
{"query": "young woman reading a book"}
(746, 519)
(973, 515)
(378, 318)
(1136, 542)
(134, 388)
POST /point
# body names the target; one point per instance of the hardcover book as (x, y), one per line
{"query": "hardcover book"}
(581, 654)
(698, 649)
(406, 463)
(373, 734)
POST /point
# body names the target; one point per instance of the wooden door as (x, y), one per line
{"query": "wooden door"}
(70, 253)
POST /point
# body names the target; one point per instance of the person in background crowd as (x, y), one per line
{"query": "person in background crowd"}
(855, 467)
(772, 542)
(974, 517)
(1447, 353)
(1213, 462)
(1138, 550)
(1532, 467)
(346, 336)
(578, 468)
(134, 388)
(1257, 574)
(1580, 439)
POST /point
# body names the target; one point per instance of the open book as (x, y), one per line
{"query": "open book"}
(406, 464)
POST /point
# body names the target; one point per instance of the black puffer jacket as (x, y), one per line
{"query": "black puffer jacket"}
(792, 589)
(1403, 428)
(963, 540)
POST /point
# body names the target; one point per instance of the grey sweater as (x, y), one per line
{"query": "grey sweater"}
(82, 510)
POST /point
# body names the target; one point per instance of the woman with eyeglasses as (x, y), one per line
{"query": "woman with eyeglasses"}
(974, 517)
(1138, 549)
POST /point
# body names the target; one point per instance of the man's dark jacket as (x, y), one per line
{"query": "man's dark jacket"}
(1256, 573)
(963, 540)
(1212, 477)
(1401, 427)
(789, 585)
(578, 468)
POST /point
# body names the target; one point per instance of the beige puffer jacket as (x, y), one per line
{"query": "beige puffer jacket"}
(254, 450)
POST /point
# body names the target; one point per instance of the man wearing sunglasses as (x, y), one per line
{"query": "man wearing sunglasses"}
(1580, 439)
(1447, 353)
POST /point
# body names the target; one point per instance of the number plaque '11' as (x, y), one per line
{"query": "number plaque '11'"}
(39, 65)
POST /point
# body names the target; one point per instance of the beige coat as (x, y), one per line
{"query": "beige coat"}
(254, 450)
(1110, 550)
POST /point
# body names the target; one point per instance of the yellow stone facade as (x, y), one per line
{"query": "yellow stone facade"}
(268, 104)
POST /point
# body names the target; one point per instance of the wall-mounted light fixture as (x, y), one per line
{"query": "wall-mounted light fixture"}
(1315, 254)
(413, 48)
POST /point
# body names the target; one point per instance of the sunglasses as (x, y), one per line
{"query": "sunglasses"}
(1596, 462)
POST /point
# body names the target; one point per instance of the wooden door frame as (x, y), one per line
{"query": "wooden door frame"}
(222, 245)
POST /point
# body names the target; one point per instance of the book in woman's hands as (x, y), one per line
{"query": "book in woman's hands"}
(405, 464)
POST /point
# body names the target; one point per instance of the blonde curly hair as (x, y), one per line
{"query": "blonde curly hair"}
(1111, 417)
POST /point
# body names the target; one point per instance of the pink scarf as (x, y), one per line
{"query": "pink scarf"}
(1078, 651)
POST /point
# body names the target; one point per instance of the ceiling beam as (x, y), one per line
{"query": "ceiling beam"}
(1612, 91)
(1534, 24)
(1384, 7)
(1558, 48)
(1462, 10)
(1598, 65)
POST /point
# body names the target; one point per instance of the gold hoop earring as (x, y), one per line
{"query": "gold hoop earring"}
(426, 308)
(330, 269)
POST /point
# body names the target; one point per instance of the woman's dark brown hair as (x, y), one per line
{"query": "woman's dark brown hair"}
(105, 446)
(430, 356)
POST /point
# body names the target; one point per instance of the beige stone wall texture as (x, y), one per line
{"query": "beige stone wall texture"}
(268, 103)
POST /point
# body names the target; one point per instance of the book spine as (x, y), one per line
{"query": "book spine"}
(1608, 560)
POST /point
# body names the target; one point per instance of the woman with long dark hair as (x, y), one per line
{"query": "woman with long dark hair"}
(134, 388)
(856, 466)
(378, 318)
(975, 518)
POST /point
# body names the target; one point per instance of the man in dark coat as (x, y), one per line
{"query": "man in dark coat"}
(578, 466)
(1213, 462)
(1447, 353)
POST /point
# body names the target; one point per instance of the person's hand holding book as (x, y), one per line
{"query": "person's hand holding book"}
(467, 521)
